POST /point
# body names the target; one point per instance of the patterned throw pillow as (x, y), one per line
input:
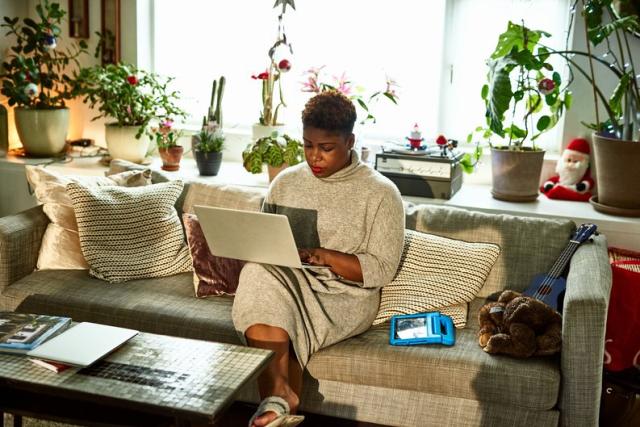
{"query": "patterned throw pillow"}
(212, 275)
(130, 233)
(437, 274)
(60, 247)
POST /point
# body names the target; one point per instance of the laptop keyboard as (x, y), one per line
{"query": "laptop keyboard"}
(158, 378)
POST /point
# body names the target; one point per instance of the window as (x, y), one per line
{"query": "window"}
(434, 49)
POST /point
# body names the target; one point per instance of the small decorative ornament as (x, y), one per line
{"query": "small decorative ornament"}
(442, 141)
(415, 137)
(133, 80)
(572, 180)
(31, 90)
(49, 40)
(284, 65)
(546, 86)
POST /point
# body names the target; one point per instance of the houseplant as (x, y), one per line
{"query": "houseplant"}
(207, 145)
(276, 151)
(316, 82)
(524, 98)
(616, 137)
(132, 98)
(167, 141)
(38, 77)
(271, 79)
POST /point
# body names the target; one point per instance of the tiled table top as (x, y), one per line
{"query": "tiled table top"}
(167, 375)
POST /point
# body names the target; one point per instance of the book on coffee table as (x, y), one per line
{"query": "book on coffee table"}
(83, 344)
(52, 366)
(21, 332)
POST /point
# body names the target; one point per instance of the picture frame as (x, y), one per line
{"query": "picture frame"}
(79, 19)
(110, 31)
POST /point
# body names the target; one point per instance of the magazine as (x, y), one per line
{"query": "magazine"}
(20, 332)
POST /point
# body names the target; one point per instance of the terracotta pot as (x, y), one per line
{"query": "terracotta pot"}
(275, 170)
(123, 144)
(208, 163)
(617, 173)
(516, 174)
(43, 133)
(171, 157)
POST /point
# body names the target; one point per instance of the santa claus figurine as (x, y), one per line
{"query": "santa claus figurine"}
(573, 180)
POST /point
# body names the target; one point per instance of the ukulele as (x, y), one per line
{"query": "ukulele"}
(549, 288)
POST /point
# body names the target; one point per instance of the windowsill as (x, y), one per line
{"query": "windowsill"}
(621, 231)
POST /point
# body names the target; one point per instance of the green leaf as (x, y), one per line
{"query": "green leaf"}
(362, 104)
(543, 123)
(514, 37)
(568, 99)
(31, 23)
(391, 97)
(543, 53)
(518, 95)
(534, 103)
(499, 92)
(484, 92)
(551, 98)
(515, 131)
(556, 79)
(615, 102)
(527, 60)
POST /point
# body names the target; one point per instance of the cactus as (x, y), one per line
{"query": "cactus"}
(215, 105)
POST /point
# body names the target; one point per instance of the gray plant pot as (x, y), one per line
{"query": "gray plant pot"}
(516, 174)
(617, 175)
(208, 163)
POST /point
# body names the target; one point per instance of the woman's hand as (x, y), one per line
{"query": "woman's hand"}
(344, 265)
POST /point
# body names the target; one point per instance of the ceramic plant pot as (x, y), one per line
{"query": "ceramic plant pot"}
(617, 175)
(208, 163)
(516, 174)
(171, 157)
(43, 133)
(122, 143)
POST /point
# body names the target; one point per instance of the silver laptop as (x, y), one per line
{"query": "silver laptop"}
(250, 236)
(83, 344)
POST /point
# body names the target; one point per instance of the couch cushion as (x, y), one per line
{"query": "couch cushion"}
(463, 371)
(436, 272)
(165, 306)
(528, 245)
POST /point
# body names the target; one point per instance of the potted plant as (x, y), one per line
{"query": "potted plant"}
(132, 98)
(208, 144)
(36, 79)
(276, 151)
(616, 137)
(167, 141)
(524, 98)
(271, 80)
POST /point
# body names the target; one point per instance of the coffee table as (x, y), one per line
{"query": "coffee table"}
(151, 380)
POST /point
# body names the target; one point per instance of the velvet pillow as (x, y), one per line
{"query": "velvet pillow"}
(212, 275)
(60, 248)
(437, 274)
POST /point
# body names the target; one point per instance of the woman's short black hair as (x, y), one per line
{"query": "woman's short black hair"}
(330, 111)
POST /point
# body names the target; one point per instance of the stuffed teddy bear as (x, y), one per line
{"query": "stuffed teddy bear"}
(573, 180)
(519, 326)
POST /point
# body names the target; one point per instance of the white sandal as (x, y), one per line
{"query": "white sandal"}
(281, 408)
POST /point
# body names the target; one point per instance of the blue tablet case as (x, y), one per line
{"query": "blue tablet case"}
(439, 329)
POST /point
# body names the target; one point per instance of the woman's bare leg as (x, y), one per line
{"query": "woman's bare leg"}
(295, 372)
(274, 380)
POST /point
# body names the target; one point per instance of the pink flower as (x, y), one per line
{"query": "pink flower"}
(166, 124)
(343, 85)
(546, 86)
(133, 80)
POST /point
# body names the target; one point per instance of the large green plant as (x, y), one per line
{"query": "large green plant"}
(273, 150)
(524, 96)
(36, 73)
(131, 96)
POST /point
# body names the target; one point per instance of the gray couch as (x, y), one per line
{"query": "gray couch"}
(364, 378)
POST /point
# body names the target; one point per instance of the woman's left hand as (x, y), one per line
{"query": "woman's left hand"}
(314, 256)
(344, 265)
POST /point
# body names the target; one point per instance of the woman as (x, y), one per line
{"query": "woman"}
(344, 215)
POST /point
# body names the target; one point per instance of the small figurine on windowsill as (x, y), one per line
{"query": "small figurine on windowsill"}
(446, 144)
(573, 179)
(415, 138)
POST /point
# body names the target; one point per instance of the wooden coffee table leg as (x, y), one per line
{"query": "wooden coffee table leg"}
(17, 420)
(182, 423)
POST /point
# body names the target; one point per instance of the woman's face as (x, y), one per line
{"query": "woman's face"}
(326, 152)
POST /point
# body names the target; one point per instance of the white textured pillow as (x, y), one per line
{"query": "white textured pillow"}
(60, 248)
(130, 233)
(437, 274)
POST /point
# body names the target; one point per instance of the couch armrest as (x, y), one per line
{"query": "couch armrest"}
(20, 238)
(584, 320)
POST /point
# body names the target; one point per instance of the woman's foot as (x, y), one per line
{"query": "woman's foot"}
(268, 416)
